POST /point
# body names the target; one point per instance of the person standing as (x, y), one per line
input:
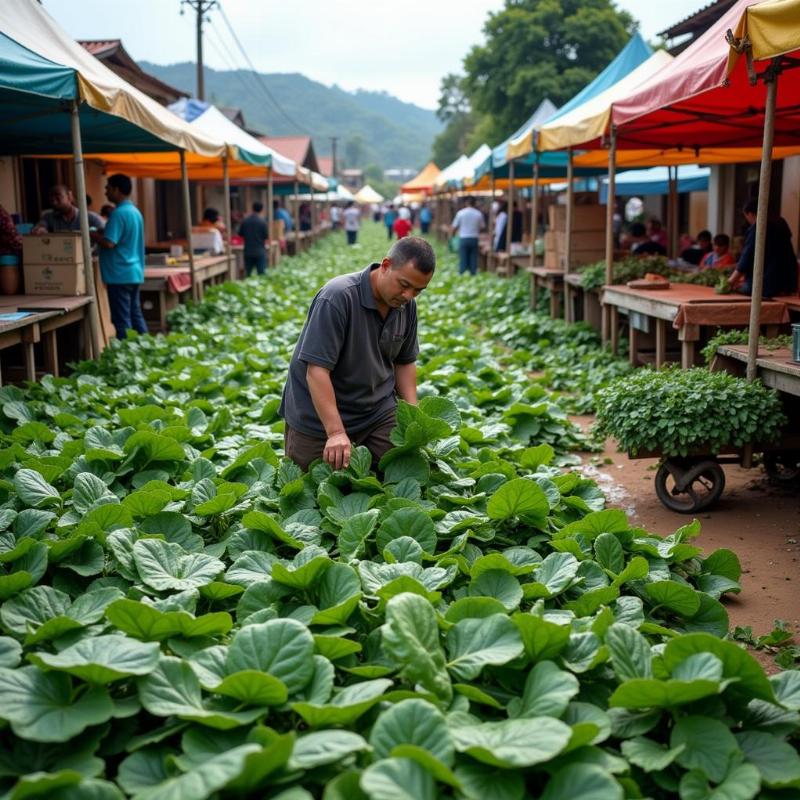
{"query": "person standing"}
(355, 356)
(389, 217)
(336, 217)
(122, 257)
(402, 227)
(255, 234)
(425, 219)
(352, 222)
(500, 221)
(468, 223)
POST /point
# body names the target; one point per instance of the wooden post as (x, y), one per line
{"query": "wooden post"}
(296, 216)
(611, 202)
(187, 218)
(568, 233)
(672, 211)
(492, 218)
(764, 180)
(86, 243)
(534, 209)
(226, 190)
(510, 216)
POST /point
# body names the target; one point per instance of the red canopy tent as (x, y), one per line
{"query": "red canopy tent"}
(710, 95)
(704, 99)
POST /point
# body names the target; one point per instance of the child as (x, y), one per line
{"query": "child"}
(720, 257)
(402, 226)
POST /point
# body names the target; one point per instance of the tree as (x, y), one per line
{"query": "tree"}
(454, 110)
(540, 48)
(453, 100)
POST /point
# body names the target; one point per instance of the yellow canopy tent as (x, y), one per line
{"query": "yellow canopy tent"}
(423, 182)
(368, 195)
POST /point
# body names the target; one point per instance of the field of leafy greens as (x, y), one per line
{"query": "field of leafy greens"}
(185, 615)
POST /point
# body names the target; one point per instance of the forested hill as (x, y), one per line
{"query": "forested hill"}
(373, 127)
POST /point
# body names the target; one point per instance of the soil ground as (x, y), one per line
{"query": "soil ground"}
(758, 521)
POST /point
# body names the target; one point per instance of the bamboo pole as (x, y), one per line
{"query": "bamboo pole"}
(764, 180)
(296, 216)
(86, 243)
(187, 218)
(534, 210)
(226, 190)
(270, 215)
(492, 218)
(611, 201)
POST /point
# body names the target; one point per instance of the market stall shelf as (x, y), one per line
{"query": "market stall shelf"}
(689, 308)
(28, 320)
(551, 279)
(165, 287)
(586, 305)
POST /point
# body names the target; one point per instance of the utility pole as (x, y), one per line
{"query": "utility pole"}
(201, 8)
(334, 139)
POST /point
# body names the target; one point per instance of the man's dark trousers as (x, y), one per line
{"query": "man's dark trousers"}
(126, 308)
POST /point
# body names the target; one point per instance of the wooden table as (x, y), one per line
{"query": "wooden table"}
(688, 308)
(547, 278)
(165, 287)
(588, 302)
(49, 314)
(775, 367)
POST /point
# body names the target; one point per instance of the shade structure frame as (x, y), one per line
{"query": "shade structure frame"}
(187, 221)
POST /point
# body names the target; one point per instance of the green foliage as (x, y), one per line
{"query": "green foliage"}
(187, 615)
(742, 336)
(674, 411)
(536, 49)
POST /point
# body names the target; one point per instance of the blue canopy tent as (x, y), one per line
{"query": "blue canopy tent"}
(655, 181)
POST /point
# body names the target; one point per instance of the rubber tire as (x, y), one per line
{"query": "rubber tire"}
(779, 472)
(709, 470)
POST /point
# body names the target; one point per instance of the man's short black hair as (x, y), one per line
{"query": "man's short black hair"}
(211, 214)
(638, 229)
(704, 235)
(470, 200)
(258, 207)
(121, 182)
(750, 207)
(416, 250)
(722, 240)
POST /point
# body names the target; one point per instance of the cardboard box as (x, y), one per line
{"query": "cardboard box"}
(580, 257)
(54, 248)
(582, 240)
(552, 260)
(584, 218)
(59, 279)
(550, 240)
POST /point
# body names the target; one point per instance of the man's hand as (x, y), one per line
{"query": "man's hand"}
(337, 450)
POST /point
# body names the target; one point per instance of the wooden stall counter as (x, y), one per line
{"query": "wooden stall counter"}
(547, 278)
(688, 308)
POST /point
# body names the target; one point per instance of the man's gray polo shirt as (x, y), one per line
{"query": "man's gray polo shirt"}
(345, 333)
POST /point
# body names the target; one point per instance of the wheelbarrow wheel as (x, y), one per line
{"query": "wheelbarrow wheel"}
(688, 487)
(783, 468)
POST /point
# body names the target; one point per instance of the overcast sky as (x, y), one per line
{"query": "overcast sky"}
(401, 47)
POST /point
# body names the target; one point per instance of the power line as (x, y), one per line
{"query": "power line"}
(257, 76)
(222, 51)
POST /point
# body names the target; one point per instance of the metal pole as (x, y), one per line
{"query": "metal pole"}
(86, 244)
(201, 88)
(226, 190)
(673, 213)
(510, 214)
(534, 209)
(611, 202)
(771, 79)
(187, 220)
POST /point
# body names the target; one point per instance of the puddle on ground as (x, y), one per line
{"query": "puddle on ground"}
(616, 495)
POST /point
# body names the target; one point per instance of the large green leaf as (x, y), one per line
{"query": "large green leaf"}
(346, 706)
(630, 652)
(519, 497)
(165, 566)
(325, 747)
(411, 637)
(513, 743)
(43, 707)
(34, 490)
(582, 782)
(151, 625)
(415, 722)
(548, 691)
(281, 647)
(473, 644)
(102, 659)
(408, 522)
(708, 745)
(398, 779)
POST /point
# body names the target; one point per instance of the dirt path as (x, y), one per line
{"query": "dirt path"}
(759, 522)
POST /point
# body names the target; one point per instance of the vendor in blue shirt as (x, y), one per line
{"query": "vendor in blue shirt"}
(122, 257)
(279, 212)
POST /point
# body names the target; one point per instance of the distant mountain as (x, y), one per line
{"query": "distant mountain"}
(372, 127)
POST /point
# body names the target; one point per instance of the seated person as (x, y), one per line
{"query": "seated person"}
(780, 261)
(210, 224)
(720, 257)
(63, 216)
(656, 233)
(212, 219)
(697, 252)
(642, 245)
